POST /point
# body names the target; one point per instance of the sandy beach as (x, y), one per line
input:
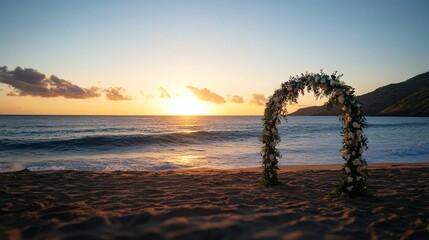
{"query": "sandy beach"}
(213, 204)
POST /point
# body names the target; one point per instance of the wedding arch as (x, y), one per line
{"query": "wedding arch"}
(354, 174)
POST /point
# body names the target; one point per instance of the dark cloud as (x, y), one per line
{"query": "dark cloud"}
(30, 82)
(237, 99)
(164, 94)
(258, 99)
(114, 94)
(206, 95)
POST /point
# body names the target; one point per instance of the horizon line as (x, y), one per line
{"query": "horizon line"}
(130, 115)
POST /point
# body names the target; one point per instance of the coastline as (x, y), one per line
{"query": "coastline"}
(213, 203)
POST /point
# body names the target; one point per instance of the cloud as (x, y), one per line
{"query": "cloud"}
(115, 94)
(30, 82)
(164, 94)
(237, 99)
(146, 95)
(258, 99)
(206, 95)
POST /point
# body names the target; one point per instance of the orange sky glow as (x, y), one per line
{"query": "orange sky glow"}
(197, 57)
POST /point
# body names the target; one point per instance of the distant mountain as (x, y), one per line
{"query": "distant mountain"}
(309, 111)
(314, 111)
(408, 98)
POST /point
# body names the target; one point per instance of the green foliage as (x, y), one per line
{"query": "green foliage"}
(354, 175)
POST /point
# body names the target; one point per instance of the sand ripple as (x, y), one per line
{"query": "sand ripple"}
(211, 204)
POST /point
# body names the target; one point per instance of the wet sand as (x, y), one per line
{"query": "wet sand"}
(213, 204)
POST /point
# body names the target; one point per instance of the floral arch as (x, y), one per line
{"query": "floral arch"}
(353, 180)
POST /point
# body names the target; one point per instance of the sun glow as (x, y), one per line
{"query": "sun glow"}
(187, 105)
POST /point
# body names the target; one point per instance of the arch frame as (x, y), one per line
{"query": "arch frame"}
(354, 173)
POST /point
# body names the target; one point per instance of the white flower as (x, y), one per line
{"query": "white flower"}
(289, 88)
(358, 105)
(353, 153)
(358, 178)
(361, 150)
(341, 99)
(273, 130)
(356, 125)
(356, 162)
(332, 82)
(349, 188)
(350, 135)
(347, 169)
(350, 179)
(271, 157)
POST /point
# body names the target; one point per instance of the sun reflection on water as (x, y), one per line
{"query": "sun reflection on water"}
(190, 160)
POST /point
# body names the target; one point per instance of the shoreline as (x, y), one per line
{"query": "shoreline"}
(213, 204)
(313, 167)
(283, 168)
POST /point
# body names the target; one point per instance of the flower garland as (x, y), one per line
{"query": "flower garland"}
(353, 181)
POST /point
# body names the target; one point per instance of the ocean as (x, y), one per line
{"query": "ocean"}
(110, 143)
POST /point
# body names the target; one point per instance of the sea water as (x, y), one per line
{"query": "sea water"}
(109, 143)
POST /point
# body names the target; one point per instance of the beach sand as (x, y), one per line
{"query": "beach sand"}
(213, 204)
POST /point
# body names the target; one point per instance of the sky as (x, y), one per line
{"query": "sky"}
(198, 57)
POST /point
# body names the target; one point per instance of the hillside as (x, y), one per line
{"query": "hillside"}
(417, 104)
(408, 98)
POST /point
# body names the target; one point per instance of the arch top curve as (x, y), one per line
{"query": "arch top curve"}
(353, 181)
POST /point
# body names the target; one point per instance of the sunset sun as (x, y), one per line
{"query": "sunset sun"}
(187, 105)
